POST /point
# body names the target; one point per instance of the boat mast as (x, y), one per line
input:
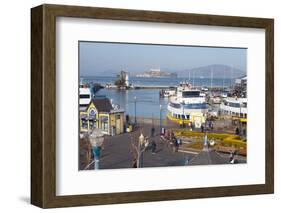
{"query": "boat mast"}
(193, 78)
(223, 80)
(231, 76)
(211, 78)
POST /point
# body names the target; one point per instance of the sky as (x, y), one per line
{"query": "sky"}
(98, 58)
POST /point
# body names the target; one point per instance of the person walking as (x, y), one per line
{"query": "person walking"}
(237, 131)
(202, 128)
(176, 145)
(146, 144)
(134, 163)
(153, 147)
(152, 131)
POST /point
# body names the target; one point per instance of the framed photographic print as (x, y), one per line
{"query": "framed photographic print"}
(136, 106)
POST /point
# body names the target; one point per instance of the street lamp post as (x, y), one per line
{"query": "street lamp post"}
(135, 99)
(240, 126)
(182, 114)
(205, 134)
(140, 151)
(96, 139)
(160, 121)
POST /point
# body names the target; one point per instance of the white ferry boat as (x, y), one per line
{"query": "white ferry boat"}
(85, 96)
(235, 107)
(188, 106)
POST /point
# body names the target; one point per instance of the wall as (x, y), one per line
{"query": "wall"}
(15, 103)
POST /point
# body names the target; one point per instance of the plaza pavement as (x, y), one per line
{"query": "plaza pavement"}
(117, 151)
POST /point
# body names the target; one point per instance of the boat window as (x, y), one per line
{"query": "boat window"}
(175, 105)
(236, 105)
(84, 96)
(196, 106)
(190, 94)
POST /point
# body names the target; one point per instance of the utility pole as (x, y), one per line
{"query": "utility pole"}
(160, 120)
(135, 99)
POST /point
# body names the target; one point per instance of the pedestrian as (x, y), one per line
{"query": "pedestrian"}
(176, 145)
(202, 128)
(172, 134)
(178, 141)
(186, 161)
(244, 132)
(153, 147)
(237, 131)
(232, 158)
(134, 163)
(146, 143)
(152, 131)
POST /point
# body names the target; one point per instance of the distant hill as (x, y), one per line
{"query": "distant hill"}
(219, 71)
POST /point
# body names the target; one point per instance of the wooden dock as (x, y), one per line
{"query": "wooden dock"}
(158, 87)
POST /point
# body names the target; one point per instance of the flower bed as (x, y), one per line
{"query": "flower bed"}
(221, 139)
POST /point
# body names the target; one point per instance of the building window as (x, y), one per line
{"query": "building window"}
(92, 124)
(104, 123)
(84, 124)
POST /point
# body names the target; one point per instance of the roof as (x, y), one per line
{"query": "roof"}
(102, 104)
(208, 157)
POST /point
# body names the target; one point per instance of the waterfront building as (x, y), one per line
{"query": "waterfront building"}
(157, 73)
(99, 113)
(240, 87)
(122, 81)
(241, 81)
(188, 106)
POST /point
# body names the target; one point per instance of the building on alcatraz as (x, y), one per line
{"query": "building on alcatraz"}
(99, 113)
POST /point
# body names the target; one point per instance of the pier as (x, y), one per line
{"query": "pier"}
(214, 88)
